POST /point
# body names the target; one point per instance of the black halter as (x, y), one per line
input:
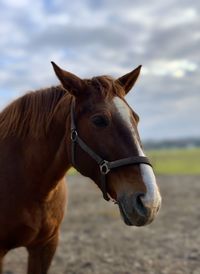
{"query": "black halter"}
(104, 166)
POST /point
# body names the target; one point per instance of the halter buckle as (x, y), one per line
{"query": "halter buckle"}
(104, 167)
(74, 135)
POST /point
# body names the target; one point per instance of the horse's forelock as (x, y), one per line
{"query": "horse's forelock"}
(106, 86)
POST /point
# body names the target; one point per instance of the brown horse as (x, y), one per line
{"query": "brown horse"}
(86, 123)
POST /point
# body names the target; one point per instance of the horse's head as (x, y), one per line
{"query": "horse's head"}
(108, 126)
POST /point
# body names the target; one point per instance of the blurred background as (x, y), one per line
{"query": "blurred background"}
(96, 37)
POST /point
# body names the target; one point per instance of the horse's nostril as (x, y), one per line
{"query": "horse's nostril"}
(138, 204)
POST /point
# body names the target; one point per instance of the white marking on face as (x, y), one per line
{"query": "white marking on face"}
(124, 112)
(152, 199)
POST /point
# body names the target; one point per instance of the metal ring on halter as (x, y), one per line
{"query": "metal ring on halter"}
(104, 167)
(74, 135)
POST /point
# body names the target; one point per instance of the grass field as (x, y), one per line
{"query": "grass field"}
(172, 161)
(176, 161)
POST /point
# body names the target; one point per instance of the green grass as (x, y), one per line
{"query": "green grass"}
(72, 171)
(172, 161)
(176, 161)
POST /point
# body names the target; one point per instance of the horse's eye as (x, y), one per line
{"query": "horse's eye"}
(100, 121)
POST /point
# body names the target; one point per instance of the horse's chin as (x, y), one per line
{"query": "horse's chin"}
(133, 222)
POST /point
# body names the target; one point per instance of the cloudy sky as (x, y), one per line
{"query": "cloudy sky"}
(94, 37)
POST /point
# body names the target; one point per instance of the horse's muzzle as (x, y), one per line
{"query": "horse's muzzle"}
(134, 212)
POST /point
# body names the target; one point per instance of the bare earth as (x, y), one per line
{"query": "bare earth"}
(94, 240)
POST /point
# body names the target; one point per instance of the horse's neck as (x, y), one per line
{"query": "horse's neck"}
(50, 158)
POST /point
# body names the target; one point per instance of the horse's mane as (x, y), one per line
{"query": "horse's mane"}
(31, 113)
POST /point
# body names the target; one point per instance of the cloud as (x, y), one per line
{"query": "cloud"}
(109, 37)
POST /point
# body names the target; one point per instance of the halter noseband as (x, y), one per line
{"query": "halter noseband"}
(104, 166)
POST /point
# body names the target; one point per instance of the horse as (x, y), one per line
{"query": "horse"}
(85, 123)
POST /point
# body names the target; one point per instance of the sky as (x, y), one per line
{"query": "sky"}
(98, 37)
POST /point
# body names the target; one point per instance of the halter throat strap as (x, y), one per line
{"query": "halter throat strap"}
(104, 166)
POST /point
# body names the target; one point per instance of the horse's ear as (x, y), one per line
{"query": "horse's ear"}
(70, 82)
(128, 80)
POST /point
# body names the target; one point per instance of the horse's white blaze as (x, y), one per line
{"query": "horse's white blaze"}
(124, 112)
(152, 199)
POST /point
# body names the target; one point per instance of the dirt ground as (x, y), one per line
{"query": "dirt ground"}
(94, 240)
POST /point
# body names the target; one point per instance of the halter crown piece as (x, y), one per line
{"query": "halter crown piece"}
(104, 166)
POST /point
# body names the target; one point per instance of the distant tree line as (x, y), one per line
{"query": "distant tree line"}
(172, 143)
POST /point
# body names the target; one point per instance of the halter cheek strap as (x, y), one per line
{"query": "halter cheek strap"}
(104, 166)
